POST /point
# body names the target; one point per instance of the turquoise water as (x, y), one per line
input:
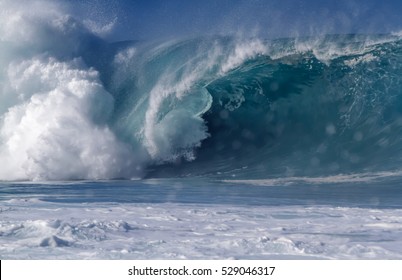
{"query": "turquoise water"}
(208, 147)
(213, 107)
(384, 193)
(198, 219)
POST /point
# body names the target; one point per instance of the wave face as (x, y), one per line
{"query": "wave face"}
(302, 107)
(74, 106)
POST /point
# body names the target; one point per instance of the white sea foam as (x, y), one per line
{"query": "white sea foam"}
(54, 109)
(57, 130)
(173, 88)
(333, 179)
(361, 59)
(326, 51)
(42, 230)
(243, 51)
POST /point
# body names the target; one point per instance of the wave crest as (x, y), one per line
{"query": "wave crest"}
(74, 106)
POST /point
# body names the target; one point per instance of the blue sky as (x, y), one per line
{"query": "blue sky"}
(154, 19)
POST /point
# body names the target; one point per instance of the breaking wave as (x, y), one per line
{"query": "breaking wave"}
(74, 106)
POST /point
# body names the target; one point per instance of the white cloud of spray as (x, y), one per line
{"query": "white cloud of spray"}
(57, 131)
(53, 108)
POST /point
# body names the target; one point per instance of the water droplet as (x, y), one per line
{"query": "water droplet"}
(358, 136)
(330, 129)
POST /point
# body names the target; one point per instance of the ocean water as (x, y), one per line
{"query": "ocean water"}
(198, 219)
(207, 147)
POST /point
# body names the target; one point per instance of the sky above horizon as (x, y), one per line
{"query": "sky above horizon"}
(157, 19)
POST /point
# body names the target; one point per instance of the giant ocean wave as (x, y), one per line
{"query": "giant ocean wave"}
(74, 106)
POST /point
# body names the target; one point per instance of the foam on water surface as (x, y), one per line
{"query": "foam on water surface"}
(39, 230)
(264, 148)
(165, 219)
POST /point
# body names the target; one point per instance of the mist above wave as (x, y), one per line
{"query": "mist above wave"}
(54, 108)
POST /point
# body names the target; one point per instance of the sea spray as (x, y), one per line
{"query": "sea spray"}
(74, 106)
